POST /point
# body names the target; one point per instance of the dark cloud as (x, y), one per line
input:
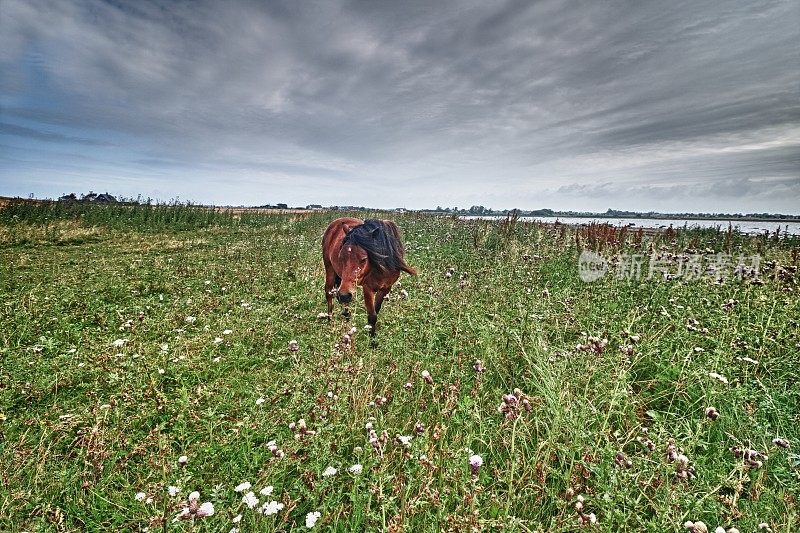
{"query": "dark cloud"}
(406, 103)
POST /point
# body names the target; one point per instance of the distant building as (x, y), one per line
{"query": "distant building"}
(314, 206)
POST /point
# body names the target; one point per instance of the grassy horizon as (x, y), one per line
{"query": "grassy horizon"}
(132, 338)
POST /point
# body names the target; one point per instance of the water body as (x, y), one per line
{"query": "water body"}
(750, 227)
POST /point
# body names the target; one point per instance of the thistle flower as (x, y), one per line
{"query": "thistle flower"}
(622, 461)
(293, 346)
(408, 386)
(712, 413)
(427, 377)
(478, 366)
(419, 428)
(183, 460)
(695, 527)
(475, 463)
(783, 443)
(194, 509)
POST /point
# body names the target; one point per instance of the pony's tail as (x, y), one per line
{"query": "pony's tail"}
(398, 244)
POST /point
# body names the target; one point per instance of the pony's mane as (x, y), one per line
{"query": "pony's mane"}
(382, 243)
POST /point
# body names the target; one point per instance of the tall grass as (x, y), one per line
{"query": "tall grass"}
(203, 369)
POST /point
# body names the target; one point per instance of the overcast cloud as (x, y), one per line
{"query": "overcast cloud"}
(669, 106)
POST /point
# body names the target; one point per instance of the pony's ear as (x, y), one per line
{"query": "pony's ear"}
(346, 228)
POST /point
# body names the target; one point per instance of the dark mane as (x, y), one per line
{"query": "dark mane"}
(381, 241)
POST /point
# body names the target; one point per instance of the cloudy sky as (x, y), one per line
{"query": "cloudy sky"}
(670, 106)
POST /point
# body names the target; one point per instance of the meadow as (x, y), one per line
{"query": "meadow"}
(150, 352)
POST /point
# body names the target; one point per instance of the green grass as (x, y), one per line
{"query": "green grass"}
(87, 425)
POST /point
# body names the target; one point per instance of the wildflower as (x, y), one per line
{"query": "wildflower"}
(119, 343)
(173, 490)
(182, 460)
(293, 346)
(165, 347)
(237, 519)
(752, 458)
(241, 487)
(695, 527)
(783, 443)
(355, 469)
(250, 500)
(478, 366)
(594, 344)
(217, 359)
(718, 377)
(427, 377)
(195, 509)
(260, 401)
(218, 340)
(207, 509)
(419, 427)
(403, 440)
(311, 519)
(227, 332)
(622, 461)
(140, 496)
(408, 386)
(266, 491)
(712, 413)
(323, 316)
(161, 371)
(273, 448)
(328, 472)
(272, 507)
(510, 406)
(190, 319)
(475, 463)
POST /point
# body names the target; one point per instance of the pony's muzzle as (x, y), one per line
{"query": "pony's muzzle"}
(344, 297)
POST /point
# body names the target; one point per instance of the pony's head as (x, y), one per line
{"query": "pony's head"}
(372, 246)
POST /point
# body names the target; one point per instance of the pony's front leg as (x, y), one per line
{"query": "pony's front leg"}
(369, 304)
(330, 280)
(380, 294)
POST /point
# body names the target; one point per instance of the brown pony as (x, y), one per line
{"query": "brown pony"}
(362, 252)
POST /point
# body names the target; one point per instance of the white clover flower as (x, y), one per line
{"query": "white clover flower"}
(165, 347)
(119, 343)
(270, 508)
(227, 332)
(266, 491)
(260, 401)
(161, 371)
(311, 519)
(241, 487)
(328, 472)
(237, 519)
(173, 490)
(355, 469)
(140, 496)
(250, 500)
(190, 319)
(218, 340)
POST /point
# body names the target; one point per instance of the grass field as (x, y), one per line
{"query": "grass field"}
(130, 337)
